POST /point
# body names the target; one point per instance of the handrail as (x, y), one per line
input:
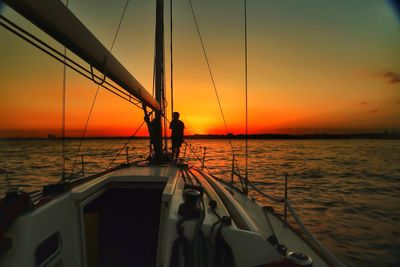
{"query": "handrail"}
(274, 199)
(316, 244)
(326, 253)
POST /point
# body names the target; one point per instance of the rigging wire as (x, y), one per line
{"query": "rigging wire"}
(246, 100)
(208, 65)
(64, 92)
(154, 75)
(119, 25)
(52, 52)
(172, 65)
(126, 144)
(63, 118)
(212, 80)
(165, 127)
(97, 90)
(171, 75)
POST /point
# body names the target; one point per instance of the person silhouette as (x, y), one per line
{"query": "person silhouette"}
(177, 131)
(152, 128)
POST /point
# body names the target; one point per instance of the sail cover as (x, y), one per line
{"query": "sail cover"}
(54, 18)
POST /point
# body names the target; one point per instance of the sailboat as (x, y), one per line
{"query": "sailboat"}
(149, 213)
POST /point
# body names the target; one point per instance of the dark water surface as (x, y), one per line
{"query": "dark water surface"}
(347, 192)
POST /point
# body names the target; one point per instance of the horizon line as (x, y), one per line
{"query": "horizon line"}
(364, 135)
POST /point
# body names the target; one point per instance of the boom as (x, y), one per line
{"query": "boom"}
(54, 18)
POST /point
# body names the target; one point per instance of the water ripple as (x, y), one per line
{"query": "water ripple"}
(346, 191)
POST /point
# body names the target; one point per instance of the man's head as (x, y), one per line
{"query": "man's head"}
(175, 115)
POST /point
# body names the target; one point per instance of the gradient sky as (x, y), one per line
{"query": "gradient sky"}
(314, 66)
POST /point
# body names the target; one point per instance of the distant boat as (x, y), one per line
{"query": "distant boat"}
(147, 213)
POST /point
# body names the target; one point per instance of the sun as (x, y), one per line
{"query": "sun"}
(199, 124)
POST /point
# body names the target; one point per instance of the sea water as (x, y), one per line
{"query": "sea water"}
(347, 192)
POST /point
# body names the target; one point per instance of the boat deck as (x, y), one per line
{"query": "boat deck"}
(132, 217)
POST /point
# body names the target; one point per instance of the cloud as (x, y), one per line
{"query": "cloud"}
(374, 111)
(397, 102)
(392, 77)
(364, 103)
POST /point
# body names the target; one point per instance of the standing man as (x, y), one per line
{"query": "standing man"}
(152, 128)
(177, 128)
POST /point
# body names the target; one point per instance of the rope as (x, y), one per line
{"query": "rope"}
(245, 75)
(212, 80)
(97, 90)
(129, 140)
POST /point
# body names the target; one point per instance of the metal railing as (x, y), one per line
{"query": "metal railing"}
(310, 238)
(287, 206)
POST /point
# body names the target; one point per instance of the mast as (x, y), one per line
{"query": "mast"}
(160, 79)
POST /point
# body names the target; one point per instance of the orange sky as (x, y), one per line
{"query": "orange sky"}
(313, 67)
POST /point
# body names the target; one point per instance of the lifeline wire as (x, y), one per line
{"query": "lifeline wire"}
(97, 90)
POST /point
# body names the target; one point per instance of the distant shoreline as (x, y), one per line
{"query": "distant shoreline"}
(383, 136)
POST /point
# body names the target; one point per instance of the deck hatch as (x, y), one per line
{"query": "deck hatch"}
(121, 225)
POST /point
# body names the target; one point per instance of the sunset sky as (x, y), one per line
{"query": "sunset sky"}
(314, 66)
